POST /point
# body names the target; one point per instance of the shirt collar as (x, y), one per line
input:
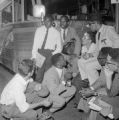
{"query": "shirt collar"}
(22, 80)
(101, 28)
(59, 71)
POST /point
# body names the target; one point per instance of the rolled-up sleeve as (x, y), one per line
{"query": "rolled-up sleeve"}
(20, 100)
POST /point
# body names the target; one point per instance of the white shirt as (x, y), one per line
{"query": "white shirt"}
(13, 93)
(92, 49)
(60, 71)
(108, 37)
(62, 33)
(53, 41)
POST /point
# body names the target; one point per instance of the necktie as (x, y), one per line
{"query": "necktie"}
(98, 35)
(45, 39)
(64, 34)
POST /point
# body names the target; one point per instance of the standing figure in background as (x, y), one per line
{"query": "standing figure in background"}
(47, 41)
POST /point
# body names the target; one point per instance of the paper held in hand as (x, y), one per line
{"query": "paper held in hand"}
(39, 60)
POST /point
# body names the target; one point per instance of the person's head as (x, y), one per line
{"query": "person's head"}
(95, 23)
(113, 60)
(88, 38)
(103, 54)
(48, 21)
(58, 60)
(26, 68)
(64, 21)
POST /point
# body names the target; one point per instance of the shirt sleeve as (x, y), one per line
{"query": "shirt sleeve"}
(20, 100)
(35, 44)
(58, 46)
(114, 37)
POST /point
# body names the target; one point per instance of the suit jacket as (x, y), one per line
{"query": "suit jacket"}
(52, 81)
(107, 38)
(71, 33)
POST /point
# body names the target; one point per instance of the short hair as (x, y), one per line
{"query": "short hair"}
(49, 17)
(96, 18)
(65, 17)
(25, 66)
(114, 53)
(55, 58)
(91, 35)
(102, 57)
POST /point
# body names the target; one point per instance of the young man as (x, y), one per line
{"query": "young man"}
(111, 84)
(13, 99)
(47, 41)
(54, 79)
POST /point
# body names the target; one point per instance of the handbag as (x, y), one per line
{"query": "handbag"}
(68, 48)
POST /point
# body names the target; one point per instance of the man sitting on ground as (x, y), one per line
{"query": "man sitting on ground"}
(13, 99)
(54, 79)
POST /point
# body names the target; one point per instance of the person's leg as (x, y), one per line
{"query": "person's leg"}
(76, 83)
(12, 111)
(69, 93)
(58, 103)
(46, 65)
(92, 68)
(82, 69)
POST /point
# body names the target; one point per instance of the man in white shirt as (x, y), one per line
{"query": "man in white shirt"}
(13, 99)
(106, 36)
(60, 92)
(47, 42)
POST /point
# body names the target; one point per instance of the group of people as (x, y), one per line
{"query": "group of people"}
(64, 66)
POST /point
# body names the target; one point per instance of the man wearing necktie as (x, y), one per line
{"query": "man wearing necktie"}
(47, 41)
(106, 36)
(68, 33)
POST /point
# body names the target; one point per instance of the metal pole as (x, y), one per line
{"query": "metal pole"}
(13, 19)
(117, 17)
(22, 10)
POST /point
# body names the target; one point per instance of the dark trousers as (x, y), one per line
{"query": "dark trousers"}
(79, 84)
(46, 65)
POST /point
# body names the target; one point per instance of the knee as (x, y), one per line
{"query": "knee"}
(32, 115)
(44, 92)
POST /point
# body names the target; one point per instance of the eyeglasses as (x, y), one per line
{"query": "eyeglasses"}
(110, 63)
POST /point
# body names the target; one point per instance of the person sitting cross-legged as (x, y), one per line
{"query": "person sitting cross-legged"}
(13, 100)
(55, 80)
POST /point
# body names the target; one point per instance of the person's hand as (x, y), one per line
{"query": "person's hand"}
(105, 111)
(37, 87)
(47, 102)
(87, 92)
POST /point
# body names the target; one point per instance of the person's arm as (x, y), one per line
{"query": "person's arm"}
(58, 45)
(114, 37)
(21, 102)
(35, 44)
(77, 49)
(115, 87)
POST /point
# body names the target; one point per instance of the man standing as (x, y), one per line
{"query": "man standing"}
(68, 33)
(47, 41)
(60, 93)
